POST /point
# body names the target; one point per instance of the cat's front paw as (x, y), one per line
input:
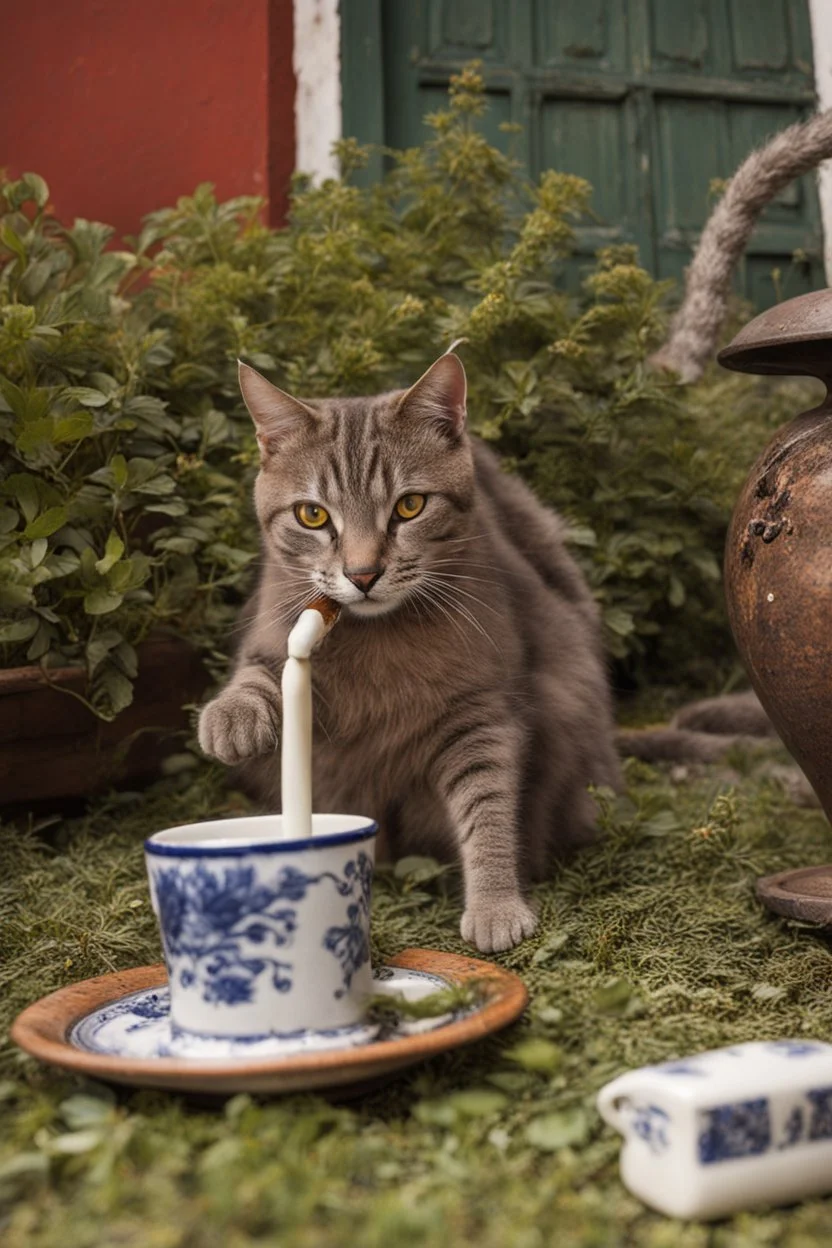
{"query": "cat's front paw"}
(495, 924)
(238, 724)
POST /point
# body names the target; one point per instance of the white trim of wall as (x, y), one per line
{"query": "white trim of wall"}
(820, 14)
(316, 57)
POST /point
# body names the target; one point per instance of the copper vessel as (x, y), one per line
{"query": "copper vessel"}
(778, 558)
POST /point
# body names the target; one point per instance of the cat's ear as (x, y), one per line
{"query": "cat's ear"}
(275, 413)
(439, 396)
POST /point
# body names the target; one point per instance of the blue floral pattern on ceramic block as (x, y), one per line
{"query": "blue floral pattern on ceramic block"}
(681, 1068)
(651, 1124)
(739, 1130)
(820, 1123)
(793, 1130)
(795, 1048)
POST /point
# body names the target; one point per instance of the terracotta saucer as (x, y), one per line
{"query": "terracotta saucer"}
(48, 1030)
(801, 893)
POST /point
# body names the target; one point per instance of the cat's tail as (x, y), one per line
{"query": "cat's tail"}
(760, 177)
(701, 732)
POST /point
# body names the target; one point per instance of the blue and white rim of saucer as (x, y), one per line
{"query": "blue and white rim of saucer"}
(250, 844)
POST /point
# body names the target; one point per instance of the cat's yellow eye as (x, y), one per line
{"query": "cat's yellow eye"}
(409, 506)
(311, 516)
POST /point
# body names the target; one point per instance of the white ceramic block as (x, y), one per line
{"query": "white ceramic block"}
(729, 1130)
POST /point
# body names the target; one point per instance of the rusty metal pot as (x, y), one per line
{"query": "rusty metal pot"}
(778, 558)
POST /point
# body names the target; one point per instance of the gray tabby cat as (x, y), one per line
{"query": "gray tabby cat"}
(462, 699)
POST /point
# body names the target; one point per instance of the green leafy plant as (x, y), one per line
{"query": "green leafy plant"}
(115, 515)
(127, 453)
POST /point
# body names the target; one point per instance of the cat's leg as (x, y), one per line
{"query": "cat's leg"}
(243, 720)
(476, 772)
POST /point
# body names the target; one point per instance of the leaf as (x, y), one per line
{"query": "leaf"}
(21, 1174)
(550, 1132)
(581, 535)
(8, 520)
(127, 659)
(617, 997)
(214, 428)
(119, 688)
(478, 1102)
(53, 518)
(39, 548)
(13, 241)
(177, 507)
(434, 1113)
(39, 189)
(35, 277)
(112, 553)
(768, 992)
(74, 1143)
(86, 396)
(81, 1111)
(676, 593)
(511, 1081)
(72, 428)
(99, 646)
(62, 563)
(619, 621)
(41, 642)
(417, 869)
(661, 824)
(23, 487)
(18, 630)
(101, 601)
(549, 948)
(34, 434)
(118, 467)
(537, 1054)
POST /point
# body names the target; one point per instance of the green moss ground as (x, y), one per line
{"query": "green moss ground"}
(650, 946)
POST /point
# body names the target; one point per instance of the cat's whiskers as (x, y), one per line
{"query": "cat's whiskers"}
(425, 592)
(244, 623)
(452, 541)
(446, 593)
(458, 576)
(283, 610)
(463, 560)
(448, 576)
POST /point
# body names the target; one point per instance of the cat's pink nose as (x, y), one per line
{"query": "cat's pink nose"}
(363, 578)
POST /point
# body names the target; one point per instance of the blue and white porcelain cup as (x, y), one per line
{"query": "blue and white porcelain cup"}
(264, 937)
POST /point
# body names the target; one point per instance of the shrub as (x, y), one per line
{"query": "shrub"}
(115, 514)
(129, 454)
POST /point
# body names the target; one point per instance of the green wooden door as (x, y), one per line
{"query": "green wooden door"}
(651, 100)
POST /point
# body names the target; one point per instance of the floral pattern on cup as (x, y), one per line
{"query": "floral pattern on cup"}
(230, 928)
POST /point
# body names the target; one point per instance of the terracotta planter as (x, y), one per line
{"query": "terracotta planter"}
(52, 747)
(778, 560)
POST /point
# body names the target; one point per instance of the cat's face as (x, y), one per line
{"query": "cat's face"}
(362, 499)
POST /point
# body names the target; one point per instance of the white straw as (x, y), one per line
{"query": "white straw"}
(296, 741)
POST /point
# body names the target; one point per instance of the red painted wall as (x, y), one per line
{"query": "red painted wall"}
(124, 105)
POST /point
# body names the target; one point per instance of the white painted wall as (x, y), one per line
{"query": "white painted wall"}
(820, 12)
(317, 64)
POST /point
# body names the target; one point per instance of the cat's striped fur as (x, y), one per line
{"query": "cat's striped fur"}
(463, 700)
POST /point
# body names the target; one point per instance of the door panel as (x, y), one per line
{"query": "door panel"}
(590, 35)
(650, 100)
(460, 29)
(679, 35)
